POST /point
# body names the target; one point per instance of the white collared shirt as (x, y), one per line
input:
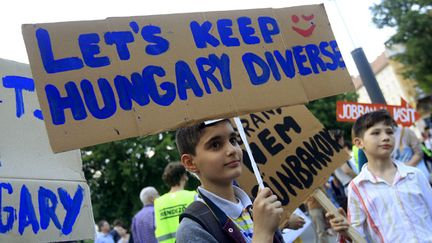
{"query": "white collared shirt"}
(232, 210)
(397, 212)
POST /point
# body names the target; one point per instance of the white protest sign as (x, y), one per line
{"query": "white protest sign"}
(44, 197)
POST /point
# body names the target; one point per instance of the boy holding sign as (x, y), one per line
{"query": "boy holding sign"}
(223, 211)
(387, 201)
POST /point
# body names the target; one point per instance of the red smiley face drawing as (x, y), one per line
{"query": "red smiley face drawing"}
(304, 32)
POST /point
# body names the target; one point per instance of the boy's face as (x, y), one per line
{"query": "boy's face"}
(218, 157)
(378, 141)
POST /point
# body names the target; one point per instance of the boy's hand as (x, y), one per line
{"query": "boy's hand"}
(267, 213)
(338, 223)
(295, 222)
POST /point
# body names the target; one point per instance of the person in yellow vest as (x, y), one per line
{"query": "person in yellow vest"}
(169, 206)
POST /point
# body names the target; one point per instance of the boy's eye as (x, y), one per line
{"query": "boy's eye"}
(215, 145)
(234, 141)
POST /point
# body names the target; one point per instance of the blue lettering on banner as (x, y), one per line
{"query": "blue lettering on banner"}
(300, 60)
(107, 95)
(213, 62)
(47, 55)
(246, 31)
(58, 104)
(128, 91)
(148, 75)
(47, 206)
(88, 44)
(141, 89)
(19, 84)
(72, 207)
(286, 63)
(159, 44)
(10, 211)
(120, 39)
(296, 58)
(205, 75)
(186, 80)
(268, 27)
(225, 32)
(249, 61)
(201, 34)
(27, 215)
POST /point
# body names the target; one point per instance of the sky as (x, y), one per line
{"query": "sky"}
(358, 30)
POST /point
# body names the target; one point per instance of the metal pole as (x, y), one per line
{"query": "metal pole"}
(367, 76)
(363, 66)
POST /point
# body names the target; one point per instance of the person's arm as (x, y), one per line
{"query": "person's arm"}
(295, 222)
(134, 229)
(414, 144)
(426, 191)
(356, 217)
(267, 213)
(190, 231)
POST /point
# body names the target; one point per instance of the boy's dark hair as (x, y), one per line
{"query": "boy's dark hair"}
(368, 120)
(187, 138)
(173, 173)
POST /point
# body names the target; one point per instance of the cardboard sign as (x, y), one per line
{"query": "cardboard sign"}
(105, 80)
(403, 114)
(290, 235)
(44, 197)
(294, 152)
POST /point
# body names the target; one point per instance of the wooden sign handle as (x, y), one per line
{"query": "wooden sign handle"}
(325, 202)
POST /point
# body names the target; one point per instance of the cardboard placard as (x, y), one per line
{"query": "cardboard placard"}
(404, 114)
(44, 197)
(294, 152)
(105, 80)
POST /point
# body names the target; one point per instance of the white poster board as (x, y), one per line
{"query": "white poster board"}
(44, 197)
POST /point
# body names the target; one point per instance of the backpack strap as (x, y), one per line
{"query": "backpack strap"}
(200, 213)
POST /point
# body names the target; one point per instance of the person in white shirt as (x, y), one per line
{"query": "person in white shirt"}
(387, 201)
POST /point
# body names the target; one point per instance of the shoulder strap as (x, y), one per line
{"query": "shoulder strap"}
(200, 213)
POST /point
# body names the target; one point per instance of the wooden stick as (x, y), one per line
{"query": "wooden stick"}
(325, 202)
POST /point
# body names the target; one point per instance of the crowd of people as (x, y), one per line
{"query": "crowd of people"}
(383, 191)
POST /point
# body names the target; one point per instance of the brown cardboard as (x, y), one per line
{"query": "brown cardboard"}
(242, 98)
(297, 126)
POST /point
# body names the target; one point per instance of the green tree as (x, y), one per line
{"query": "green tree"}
(413, 22)
(117, 171)
(325, 111)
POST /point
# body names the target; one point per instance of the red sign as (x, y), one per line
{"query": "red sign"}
(404, 114)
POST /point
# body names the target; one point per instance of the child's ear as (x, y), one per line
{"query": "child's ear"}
(188, 163)
(358, 142)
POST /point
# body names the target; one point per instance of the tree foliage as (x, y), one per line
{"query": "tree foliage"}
(413, 22)
(125, 167)
(325, 111)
